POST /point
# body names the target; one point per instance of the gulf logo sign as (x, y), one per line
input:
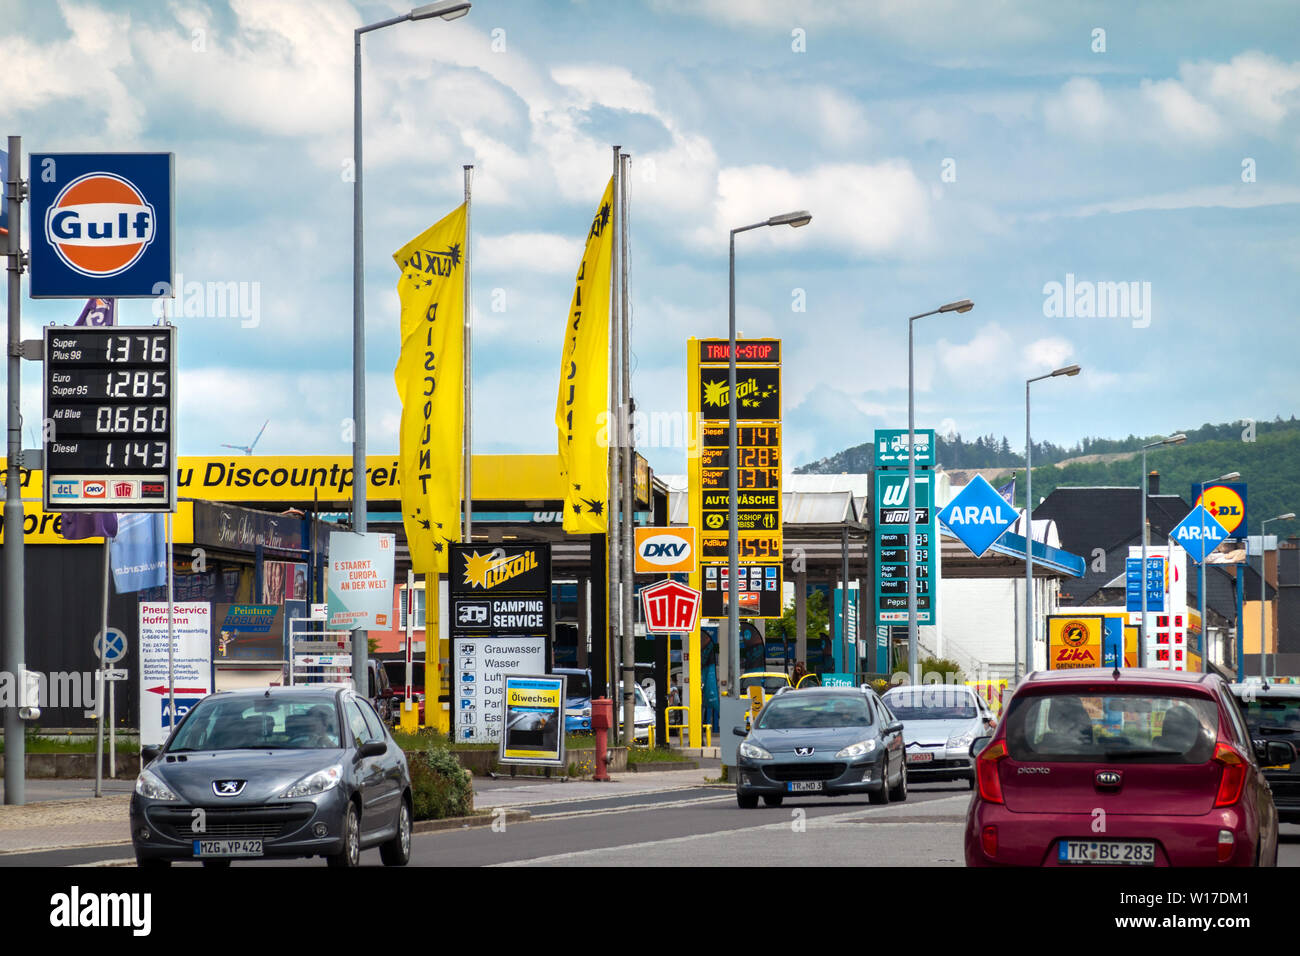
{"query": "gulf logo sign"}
(1228, 505)
(100, 224)
(665, 551)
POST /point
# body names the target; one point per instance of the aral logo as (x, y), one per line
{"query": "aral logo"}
(100, 224)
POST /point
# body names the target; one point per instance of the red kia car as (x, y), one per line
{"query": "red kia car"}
(1132, 767)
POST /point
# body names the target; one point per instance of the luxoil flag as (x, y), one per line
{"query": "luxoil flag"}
(582, 405)
(430, 383)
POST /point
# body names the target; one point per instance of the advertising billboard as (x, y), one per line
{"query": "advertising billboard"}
(191, 666)
(360, 591)
(1074, 641)
(532, 718)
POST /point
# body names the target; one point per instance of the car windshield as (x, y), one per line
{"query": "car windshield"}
(932, 702)
(280, 722)
(770, 684)
(576, 687)
(793, 712)
(1277, 715)
(1132, 727)
(396, 671)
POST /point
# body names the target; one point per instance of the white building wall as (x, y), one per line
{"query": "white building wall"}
(982, 622)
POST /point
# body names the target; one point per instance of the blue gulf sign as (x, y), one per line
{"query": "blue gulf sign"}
(101, 225)
(1199, 533)
(978, 516)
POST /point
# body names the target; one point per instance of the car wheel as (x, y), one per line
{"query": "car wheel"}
(881, 796)
(747, 801)
(899, 793)
(397, 851)
(152, 863)
(774, 800)
(350, 855)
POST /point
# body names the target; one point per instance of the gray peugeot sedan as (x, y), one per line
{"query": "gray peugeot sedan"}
(940, 721)
(278, 772)
(821, 741)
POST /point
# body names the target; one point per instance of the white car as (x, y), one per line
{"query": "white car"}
(939, 723)
(643, 714)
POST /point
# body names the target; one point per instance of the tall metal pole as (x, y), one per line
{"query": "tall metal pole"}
(913, 644)
(1142, 630)
(733, 519)
(1029, 541)
(625, 438)
(1263, 593)
(468, 493)
(359, 645)
(171, 631)
(615, 610)
(1205, 646)
(844, 604)
(99, 691)
(14, 603)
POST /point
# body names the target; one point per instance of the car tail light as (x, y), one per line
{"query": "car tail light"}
(989, 840)
(1234, 775)
(1227, 843)
(986, 768)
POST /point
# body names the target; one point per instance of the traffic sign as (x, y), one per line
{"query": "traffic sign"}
(978, 516)
(115, 674)
(116, 646)
(101, 225)
(892, 447)
(1199, 533)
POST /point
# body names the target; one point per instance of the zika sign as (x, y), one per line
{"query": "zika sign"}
(533, 721)
(665, 550)
(1074, 641)
(360, 591)
(101, 225)
(191, 667)
(670, 607)
(109, 403)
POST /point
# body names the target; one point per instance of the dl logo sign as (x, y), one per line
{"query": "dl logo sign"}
(102, 225)
(665, 551)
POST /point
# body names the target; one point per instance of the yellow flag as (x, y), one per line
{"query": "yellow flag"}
(582, 406)
(430, 382)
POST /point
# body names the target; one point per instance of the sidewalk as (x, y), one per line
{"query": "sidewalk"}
(57, 824)
(535, 791)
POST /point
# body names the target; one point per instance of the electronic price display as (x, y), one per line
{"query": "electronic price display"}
(109, 418)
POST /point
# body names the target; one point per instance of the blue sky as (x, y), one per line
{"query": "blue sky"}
(946, 150)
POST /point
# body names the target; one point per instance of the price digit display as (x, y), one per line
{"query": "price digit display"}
(109, 417)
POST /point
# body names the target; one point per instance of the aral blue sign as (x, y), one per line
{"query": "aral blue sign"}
(978, 516)
(1199, 533)
(101, 225)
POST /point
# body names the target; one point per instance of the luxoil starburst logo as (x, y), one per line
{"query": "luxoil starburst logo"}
(481, 571)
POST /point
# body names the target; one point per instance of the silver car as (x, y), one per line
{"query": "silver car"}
(940, 721)
(281, 772)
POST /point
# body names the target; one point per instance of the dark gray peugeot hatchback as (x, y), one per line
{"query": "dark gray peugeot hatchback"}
(278, 772)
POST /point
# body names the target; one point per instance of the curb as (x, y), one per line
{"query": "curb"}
(663, 765)
(458, 823)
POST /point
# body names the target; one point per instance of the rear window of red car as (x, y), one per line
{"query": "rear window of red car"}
(1133, 726)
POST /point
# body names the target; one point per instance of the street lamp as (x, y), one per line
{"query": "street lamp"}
(446, 10)
(1205, 645)
(1263, 655)
(913, 662)
(1069, 370)
(800, 217)
(1142, 631)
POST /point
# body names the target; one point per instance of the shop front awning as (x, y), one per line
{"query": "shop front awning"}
(1013, 545)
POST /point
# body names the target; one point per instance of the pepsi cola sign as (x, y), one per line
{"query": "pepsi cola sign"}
(102, 225)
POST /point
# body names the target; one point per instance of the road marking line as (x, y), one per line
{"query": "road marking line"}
(782, 825)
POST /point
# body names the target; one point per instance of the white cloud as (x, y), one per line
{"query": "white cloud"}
(984, 355)
(1181, 113)
(864, 209)
(1255, 87)
(530, 252)
(1080, 109)
(1242, 196)
(1046, 355)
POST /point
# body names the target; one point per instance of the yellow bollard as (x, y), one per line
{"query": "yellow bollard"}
(410, 717)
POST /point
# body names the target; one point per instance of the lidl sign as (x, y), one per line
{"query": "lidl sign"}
(1227, 503)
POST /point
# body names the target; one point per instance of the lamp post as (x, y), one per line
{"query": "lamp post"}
(1069, 370)
(1142, 631)
(1263, 644)
(793, 219)
(446, 10)
(1205, 645)
(913, 662)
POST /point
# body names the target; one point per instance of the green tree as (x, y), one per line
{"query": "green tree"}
(817, 619)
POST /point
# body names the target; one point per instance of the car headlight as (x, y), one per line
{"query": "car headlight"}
(753, 751)
(150, 785)
(315, 783)
(860, 749)
(961, 741)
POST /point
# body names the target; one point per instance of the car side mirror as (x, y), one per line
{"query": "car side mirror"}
(149, 754)
(895, 728)
(372, 748)
(978, 744)
(740, 731)
(1278, 752)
